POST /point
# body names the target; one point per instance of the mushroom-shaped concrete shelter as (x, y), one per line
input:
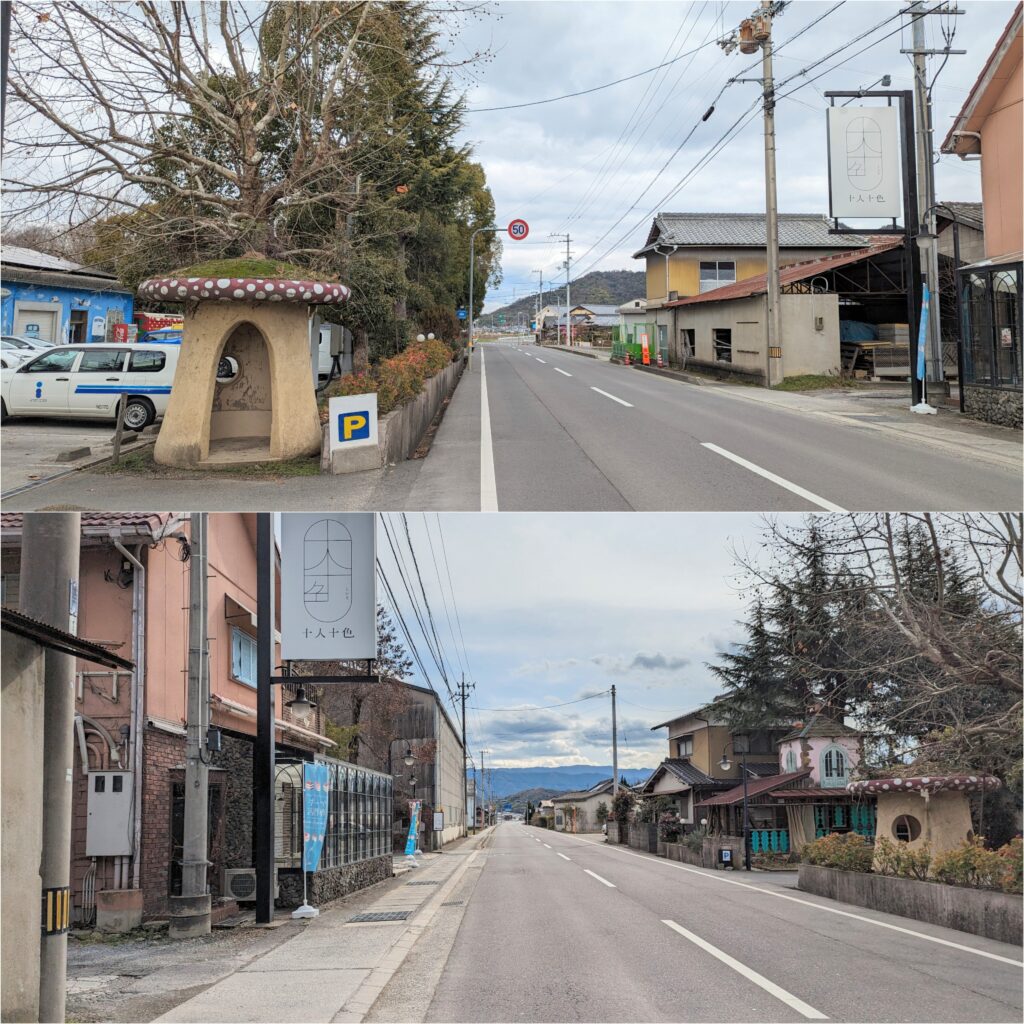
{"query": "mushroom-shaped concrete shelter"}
(929, 809)
(243, 389)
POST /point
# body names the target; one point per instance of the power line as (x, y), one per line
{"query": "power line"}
(585, 92)
(547, 707)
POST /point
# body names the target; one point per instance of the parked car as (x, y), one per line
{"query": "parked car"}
(163, 336)
(90, 381)
(26, 343)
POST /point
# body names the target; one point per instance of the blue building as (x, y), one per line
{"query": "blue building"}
(56, 300)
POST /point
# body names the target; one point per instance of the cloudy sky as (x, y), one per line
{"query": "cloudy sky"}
(557, 606)
(582, 165)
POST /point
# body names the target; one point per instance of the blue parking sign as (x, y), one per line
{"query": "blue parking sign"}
(461, 314)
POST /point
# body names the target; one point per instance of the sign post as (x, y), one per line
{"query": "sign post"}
(646, 348)
(517, 229)
(316, 789)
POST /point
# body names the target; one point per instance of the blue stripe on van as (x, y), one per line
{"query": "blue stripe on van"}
(103, 389)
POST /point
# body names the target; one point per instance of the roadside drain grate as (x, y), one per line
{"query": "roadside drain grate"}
(382, 915)
(423, 883)
(454, 903)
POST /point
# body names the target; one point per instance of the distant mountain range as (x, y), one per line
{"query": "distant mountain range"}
(606, 287)
(560, 778)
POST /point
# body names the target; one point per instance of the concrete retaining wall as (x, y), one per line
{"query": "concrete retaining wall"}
(681, 853)
(644, 837)
(399, 433)
(995, 915)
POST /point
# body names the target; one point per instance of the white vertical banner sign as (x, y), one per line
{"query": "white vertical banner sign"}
(864, 164)
(328, 586)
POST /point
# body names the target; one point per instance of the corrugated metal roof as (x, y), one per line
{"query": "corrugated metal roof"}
(732, 230)
(35, 260)
(46, 635)
(754, 788)
(787, 275)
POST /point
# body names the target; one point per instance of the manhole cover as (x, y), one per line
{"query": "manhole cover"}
(454, 903)
(423, 883)
(382, 915)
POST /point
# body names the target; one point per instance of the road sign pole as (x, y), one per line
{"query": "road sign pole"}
(472, 257)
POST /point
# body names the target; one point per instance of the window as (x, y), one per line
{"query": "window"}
(686, 341)
(991, 299)
(243, 657)
(77, 326)
(10, 587)
(102, 360)
(684, 746)
(714, 274)
(906, 828)
(148, 362)
(722, 338)
(790, 760)
(59, 361)
(833, 767)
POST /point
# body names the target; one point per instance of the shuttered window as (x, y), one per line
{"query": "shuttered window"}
(243, 657)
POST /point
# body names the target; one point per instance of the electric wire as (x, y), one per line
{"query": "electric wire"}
(547, 707)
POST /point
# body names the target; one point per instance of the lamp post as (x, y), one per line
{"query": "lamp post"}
(741, 745)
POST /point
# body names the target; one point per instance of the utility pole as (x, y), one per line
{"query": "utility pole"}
(264, 756)
(568, 260)
(49, 592)
(192, 907)
(615, 749)
(540, 300)
(756, 32)
(464, 688)
(928, 242)
(483, 784)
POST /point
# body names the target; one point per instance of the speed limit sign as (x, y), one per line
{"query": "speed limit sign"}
(518, 229)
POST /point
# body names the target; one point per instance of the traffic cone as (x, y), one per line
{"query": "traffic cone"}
(661, 365)
(629, 358)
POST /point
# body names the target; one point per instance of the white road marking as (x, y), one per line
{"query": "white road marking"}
(563, 856)
(603, 881)
(717, 877)
(814, 499)
(628, 405)
(545, 844)
(539, 360)
(488, 484)
(562, 372)
(751, 975)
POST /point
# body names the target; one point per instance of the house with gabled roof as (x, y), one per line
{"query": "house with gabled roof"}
(577, 811)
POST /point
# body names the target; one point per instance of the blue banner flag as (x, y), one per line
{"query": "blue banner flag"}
(414, 826)
(922, 334)
(316, 789)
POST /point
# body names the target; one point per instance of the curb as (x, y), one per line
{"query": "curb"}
(571, 351)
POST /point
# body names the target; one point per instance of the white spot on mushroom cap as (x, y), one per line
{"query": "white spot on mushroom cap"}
(223, 282)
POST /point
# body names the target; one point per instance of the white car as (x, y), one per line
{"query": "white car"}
(25, 343)
(90, 381)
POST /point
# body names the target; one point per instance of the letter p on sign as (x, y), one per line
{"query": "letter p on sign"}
(353, 421)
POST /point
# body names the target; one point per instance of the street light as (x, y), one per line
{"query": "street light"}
(409, 757)
(725, 764)
(301, 705)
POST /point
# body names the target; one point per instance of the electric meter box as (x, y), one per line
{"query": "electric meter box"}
(108, 830)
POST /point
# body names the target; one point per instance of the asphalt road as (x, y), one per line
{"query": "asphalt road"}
(570, 433)
(563, 928)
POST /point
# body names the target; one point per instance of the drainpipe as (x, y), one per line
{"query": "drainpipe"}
(138, 696)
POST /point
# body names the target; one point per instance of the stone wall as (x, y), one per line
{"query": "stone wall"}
(162, 752)
(993, 405)
(995, 915)
(331, 883)
(236, 758)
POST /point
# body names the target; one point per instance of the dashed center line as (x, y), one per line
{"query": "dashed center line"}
(628, 405)
(603, 881)
(563, 856)
(547, 846)
(539, 360)
(562, 372)
(751, 975)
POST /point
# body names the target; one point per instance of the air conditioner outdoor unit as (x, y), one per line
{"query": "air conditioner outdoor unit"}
(240, 884)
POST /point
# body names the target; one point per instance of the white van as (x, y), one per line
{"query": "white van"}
(88, 382)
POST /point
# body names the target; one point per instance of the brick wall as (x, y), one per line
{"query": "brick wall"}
(161, 753)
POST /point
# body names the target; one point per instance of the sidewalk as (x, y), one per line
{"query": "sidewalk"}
(336, 965)
(886, 411)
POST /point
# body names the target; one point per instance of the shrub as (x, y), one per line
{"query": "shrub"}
(902, 861)
(622, 807)
(694, 841)
(669, 827)
(970, 864)
(1011, 856)
(395, 380)
(849, 852)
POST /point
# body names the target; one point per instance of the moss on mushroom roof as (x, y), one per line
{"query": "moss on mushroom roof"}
(250, 267)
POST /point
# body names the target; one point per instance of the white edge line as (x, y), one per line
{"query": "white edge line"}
(564, 373)
(714, 877)
(751, 975)
(621, 401)
(563, 856)
(810, 496)
(603, 881)
(488, 485)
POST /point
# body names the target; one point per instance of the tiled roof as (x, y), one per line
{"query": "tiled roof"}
(758, 285)
(820, 726)
(687, 774)
(971, 214)
(754, 788)
(598, 309)
(762, 771)
(810, 793)
(732, 230)
(99, 523)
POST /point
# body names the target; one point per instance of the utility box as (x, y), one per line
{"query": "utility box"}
(108, 831)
